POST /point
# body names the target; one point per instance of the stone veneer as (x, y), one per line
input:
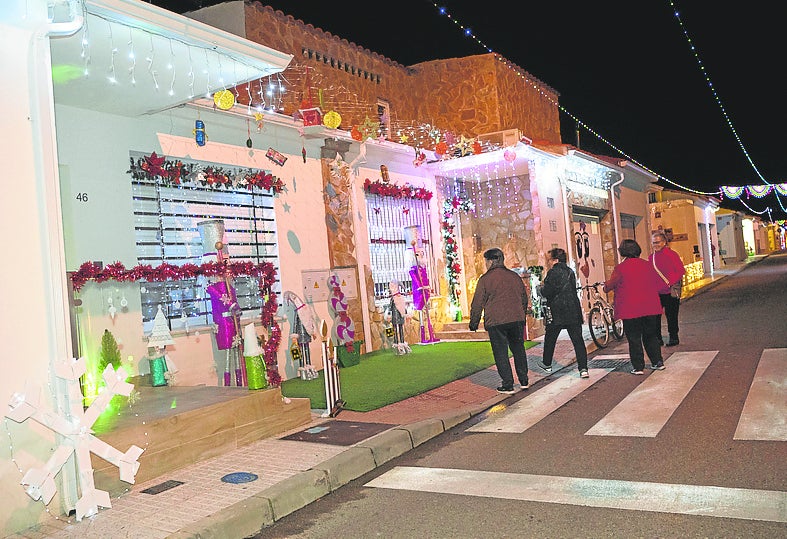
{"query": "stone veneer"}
(468, 96)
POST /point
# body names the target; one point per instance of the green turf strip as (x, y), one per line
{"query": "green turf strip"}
(382, 378)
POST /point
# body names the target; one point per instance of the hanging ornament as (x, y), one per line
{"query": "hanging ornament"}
(509, 155)
(303, 153)
(332, 119)
(259, 119)
(248, 131)
(441, 149)
(200, 137)
(477, 147)
(356, 133)
(112, 310)
(124, 303)
(224, 99)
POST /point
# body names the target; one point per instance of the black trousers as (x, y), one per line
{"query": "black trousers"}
(505, 336)
(575, 333)
(671, 307)
(643, 331)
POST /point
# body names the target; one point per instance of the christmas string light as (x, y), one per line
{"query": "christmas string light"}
(114, 50)
(528, 79)
(716, 98)
(132, 57)
(85, 53)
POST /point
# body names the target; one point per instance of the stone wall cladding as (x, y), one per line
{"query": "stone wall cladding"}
(467, 96)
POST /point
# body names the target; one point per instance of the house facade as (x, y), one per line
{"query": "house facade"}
(130, 165)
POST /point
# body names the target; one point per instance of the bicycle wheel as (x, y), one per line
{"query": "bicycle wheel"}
(616, 325)
(599, 330)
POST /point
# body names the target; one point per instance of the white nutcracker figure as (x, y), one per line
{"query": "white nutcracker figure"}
(303, 330)
(398, 310)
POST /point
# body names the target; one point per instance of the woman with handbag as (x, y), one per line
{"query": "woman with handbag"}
(560, 292)
(669, 266)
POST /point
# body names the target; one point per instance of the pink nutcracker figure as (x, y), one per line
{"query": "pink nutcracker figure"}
(224, 303)
(420, 277)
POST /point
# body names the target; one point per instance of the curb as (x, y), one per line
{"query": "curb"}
(250, 516)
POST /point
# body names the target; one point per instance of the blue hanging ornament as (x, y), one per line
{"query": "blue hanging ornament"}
(199, 133)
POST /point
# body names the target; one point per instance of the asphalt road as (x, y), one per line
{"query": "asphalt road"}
(695, 451)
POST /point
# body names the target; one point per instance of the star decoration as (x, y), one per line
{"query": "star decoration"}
(464, 146)
(286, 207)
(404, 139)
(368, 128)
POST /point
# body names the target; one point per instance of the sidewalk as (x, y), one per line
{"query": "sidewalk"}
(292, 474)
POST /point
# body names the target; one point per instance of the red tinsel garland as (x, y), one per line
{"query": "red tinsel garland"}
(265, 272)
(158, 168)
(385, 189)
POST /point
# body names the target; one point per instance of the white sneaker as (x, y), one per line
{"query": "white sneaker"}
(584, 374)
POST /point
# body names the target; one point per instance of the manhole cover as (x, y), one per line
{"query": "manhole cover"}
(240, 477)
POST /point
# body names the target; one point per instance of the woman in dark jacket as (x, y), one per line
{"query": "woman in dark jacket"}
(560, 291)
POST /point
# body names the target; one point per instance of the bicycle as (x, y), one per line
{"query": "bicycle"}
(601, 317)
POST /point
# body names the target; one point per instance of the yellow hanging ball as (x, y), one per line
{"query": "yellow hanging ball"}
(332, 119)
(224, 99)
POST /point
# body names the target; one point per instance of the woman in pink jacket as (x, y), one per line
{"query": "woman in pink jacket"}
(636, 284)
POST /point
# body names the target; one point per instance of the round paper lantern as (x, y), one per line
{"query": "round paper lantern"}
(332, 119)
(356, 133)
(441, 148)
(509, 155)
(224, 99)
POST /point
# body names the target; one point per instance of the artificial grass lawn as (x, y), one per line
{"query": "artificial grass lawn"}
(383, 378)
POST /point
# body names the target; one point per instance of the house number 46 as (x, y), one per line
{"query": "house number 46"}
(82, 197)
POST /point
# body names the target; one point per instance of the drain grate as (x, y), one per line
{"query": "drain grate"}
(240, 477)
(166, 485)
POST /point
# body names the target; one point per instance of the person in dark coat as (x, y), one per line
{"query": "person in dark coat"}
(502, 297)
(560, 292)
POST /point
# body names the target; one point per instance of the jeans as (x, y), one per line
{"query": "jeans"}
(505, 336)
(643, 331)
(575, 333)
(671, 306)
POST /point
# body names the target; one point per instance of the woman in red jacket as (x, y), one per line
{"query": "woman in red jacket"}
(636, 284)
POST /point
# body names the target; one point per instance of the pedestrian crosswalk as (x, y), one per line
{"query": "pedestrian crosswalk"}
(750, 504)
(764, 415)
(527, 412)
(655, 400)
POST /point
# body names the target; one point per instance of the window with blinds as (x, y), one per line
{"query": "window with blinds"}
(165, 223)
(390, 261)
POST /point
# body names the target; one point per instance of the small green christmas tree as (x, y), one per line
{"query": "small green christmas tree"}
(110, 353)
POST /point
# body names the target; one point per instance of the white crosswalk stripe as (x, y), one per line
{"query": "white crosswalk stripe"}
(764, 415)
(646, 410)
(749, 504)
(525, 413)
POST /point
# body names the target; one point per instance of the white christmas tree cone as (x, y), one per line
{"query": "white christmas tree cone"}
(160, 336)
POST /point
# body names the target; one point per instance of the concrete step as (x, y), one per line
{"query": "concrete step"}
(458, 331)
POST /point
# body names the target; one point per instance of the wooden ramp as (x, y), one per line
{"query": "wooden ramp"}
(178, 426)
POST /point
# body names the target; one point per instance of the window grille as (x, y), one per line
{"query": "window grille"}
(165, 224)
(390, 261)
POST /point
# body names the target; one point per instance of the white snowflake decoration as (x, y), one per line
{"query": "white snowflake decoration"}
(76, 429)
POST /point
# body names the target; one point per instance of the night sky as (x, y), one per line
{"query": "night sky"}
(624, 68)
